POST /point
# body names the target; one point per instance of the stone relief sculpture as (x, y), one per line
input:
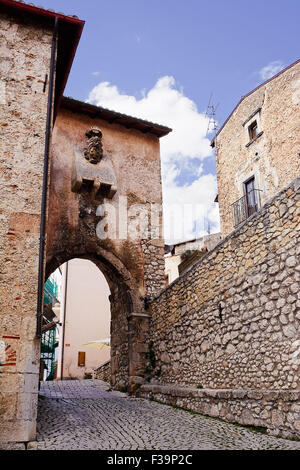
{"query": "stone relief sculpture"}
(93, 169)
(94, 149)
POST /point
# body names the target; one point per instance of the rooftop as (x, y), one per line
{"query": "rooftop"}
(250, 93)
(31, 8)
(114, 117)
(69, 33)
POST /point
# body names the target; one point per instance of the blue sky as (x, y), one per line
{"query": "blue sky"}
(180, 52)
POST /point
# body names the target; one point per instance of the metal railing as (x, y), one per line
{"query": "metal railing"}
(246, 206)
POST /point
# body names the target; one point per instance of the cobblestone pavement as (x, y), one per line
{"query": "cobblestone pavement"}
(84, 414)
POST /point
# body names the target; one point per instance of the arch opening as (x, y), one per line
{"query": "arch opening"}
(121, 298)
(76, 338)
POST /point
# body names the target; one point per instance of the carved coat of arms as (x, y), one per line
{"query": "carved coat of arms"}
(94, 149)
(93, 168)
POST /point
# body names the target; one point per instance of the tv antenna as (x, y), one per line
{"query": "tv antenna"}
(211, 116)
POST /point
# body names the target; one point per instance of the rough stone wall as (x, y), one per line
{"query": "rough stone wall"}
(119, 337)
(277, 411)
(253, 276)
(25, 56)
(104, 372)
(154, 270)
(273, 158)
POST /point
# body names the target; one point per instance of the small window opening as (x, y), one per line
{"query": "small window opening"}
(252, 130)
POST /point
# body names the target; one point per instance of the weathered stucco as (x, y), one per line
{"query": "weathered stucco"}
(134, 268)
(136, 162)
(273, 158)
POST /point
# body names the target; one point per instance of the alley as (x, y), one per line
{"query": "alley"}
(85, 414)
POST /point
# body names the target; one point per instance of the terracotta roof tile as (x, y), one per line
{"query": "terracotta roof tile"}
(37, 8)
(115, 117)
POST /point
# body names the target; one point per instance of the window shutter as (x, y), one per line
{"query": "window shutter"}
(81, 359)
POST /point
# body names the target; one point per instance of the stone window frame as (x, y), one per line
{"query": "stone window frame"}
(252, 130)
(254, 174)
(246, 177)
(254, 117)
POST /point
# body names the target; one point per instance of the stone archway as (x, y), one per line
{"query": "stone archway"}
(128, 324)
(97, 164)
(123, 170)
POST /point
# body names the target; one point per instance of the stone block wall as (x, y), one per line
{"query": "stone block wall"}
(276, 411)
(25, 57)
(232, 321)
(154, 266)
(119, 331)
(104, 372)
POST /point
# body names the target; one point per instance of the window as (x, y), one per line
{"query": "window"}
(251, 197)
(247, 204)
(81, 359)
(252, 130)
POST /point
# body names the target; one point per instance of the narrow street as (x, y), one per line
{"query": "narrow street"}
(80, 415)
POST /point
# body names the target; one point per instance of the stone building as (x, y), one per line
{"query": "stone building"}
(180, 256)
(26, 48)
(64, 165)
(258, 147)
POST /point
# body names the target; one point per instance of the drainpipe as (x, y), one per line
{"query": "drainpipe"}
(45, 184)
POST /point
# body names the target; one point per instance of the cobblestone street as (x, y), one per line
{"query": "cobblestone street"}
(81, 415)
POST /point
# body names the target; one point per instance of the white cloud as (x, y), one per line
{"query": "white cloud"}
(167, 105)
(271, 69)
(188, 208)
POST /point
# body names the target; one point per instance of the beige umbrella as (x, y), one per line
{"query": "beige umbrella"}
(99, 344)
